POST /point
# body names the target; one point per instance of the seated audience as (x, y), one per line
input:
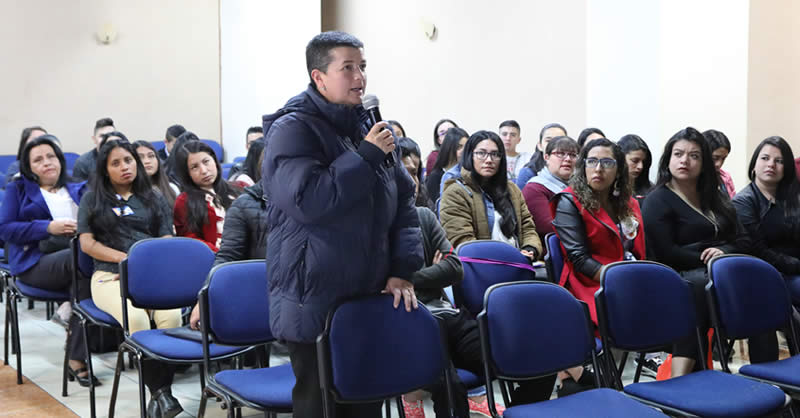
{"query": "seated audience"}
(254, 133)
(598, 223)
(152, 166)
(120, 209)
(638, 159)
(720, 148)
(769, 209)
(439, 130)
(200, 210)
(250, 170)
(397, 129)
(560, 157)
(447, 158)
(688, 222)
(589, 134)
(483, 203)
(37, 219)
(85, 164)
(536, 163)
(28, 134)
(172, 134)
(170, 165)
(412, 159)
(510, 134)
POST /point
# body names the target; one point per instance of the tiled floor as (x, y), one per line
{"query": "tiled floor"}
(42, 347)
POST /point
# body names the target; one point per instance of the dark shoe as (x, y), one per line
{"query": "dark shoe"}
(167, 405)
(153, 411)
(82, 380)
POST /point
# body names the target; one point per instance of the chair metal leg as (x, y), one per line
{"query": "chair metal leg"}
(115, 386)
(89, 367)
(504, 392)
(5, 332)
(142, 395)
(17, 338)
(203, 400)
(64, 371)
(30, 304)
(388, 408)
(400, 411)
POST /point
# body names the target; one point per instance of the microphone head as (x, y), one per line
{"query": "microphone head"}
(370, 101)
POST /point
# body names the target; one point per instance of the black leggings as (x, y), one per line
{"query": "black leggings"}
(54, 272)
(688, 346)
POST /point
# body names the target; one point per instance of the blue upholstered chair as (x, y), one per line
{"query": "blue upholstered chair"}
(359, 335)
(70, 158)
(217, 149)
(633, 296)
(554, 260)
(163, 273)
(234, 310)
(748, 297)
(536, 329)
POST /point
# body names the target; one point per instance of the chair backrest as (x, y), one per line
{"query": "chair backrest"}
(239, 160)
(5, 162)
(216, 147)
(237, 303)
(480, 276)
(642, 305)
(70, 158)
(158, 145)
(532, 329)
(226, 170)
(748, 295)
(84, 266)
(165, 273)
(554, 260)
(361, 334)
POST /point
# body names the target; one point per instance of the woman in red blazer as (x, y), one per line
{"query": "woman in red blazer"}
(200, 210)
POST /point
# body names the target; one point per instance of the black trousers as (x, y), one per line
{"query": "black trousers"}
(54, 272)
(307, 395)
(688, 346)
(156, 374)
(464, 346)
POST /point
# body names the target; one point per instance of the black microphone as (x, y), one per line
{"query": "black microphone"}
(370, 103)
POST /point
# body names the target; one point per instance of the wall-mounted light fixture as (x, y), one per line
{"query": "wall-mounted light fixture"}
(106, 34)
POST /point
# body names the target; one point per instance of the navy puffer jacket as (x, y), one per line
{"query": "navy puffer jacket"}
(341, 222)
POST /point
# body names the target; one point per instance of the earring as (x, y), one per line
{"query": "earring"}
(616, 188)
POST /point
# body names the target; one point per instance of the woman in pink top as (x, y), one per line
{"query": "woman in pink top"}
(720, 148)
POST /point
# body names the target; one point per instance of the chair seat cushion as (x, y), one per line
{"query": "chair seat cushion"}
(160, 344)
(710, 393)
(98, 314)
(469, 379)
(785, 371)
(599, 403)
(40, 294)
(270, 387)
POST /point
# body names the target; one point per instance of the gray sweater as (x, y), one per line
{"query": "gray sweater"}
(430, 281)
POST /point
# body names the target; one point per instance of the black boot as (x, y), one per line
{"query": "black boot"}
(165, 405)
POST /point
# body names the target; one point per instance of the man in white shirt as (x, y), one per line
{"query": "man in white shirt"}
(510, 134)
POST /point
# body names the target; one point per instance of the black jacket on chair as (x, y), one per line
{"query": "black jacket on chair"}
(245, 234)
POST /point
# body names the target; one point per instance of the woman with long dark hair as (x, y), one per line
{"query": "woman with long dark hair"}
(29, 133)
(200, 210)
(688, 222)
(536, 163)
(152, 166)
(589, 134)
(447, 159)
(412, 160)
(439, 131)
(769, 209)
(120, 209)
(638, 159)
(170, 166)
(37, 219)
(720, 148)
(251, 171)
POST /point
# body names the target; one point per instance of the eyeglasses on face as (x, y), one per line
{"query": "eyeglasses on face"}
(605, 163)
(562, 155)
(482, 155)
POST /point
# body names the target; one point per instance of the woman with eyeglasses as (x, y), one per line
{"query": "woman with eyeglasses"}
(483, 203)
(598, 223)
(560, 156)
(689, 222)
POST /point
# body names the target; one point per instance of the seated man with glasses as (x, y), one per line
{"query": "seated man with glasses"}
(560, 156)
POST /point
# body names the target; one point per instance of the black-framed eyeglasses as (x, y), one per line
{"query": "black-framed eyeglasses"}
(482, 155)
(562, 155)
(605, 163)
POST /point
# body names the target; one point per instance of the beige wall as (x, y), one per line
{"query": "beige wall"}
(491, 61)
(774, 69)
(162, 69)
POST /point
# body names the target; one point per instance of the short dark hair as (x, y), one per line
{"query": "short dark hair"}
(716, 139)
(585, 134)
(26, 133)
(173, 132)
(562, 143)
(551, 125)
(255, 130)
(318, 50)
(102, 123)
(104, 137)
(509, 123)
(25, 164)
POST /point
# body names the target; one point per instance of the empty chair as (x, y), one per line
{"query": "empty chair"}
(234, 310)
(70, 158)
(554, 259)
(748, 298)
(636, 295)
(519, 325)
(217, 149)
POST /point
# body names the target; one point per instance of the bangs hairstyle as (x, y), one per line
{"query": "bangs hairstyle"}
(585, 134)
(630, 143)
(104, 223)
(788, 187)
(318, 50)
(562, 143)
(711, 198)
(587, 196)
(497, 185)
(197, 207)
(448, 152)
(26, 133)
(159, 179)
(436, 131)
(25, 160)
